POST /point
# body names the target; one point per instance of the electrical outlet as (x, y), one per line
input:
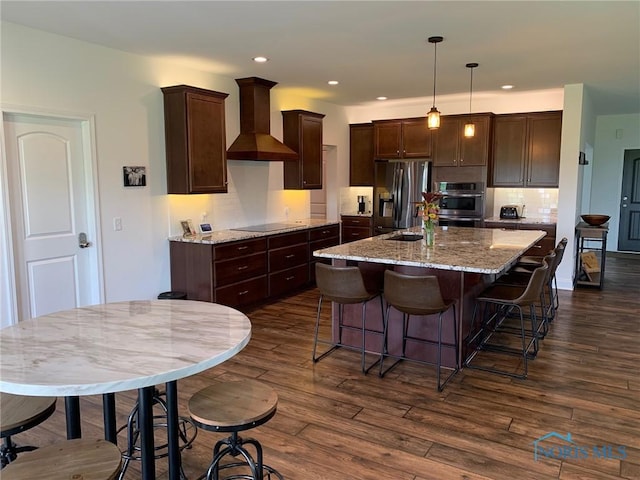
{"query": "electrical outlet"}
(117, 224)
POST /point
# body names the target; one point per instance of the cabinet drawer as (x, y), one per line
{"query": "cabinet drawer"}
(242, 248)
(288, 280)
(320, 244)
(324, 232)
(288, 239)
(544, 246)
(351, 221)
(288, 257)
(351, 234)
(236, 269)
(243, 293)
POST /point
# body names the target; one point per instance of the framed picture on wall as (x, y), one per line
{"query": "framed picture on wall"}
(134, 176)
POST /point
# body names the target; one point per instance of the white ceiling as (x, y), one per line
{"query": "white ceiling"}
(373, 48)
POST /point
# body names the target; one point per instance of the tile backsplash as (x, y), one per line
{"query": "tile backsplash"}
(539, 202)
(349, 199)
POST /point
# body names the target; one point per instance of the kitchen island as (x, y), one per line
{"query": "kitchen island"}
(465, 260)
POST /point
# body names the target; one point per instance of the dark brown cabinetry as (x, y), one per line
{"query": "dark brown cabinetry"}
(288, 262)
(526, 150)
(302, 132)
(195, 140)
(542, 247)
(405, 138)
(248, 271)
(361, 158)
(240, 272)
(452, 149)
(356, 228)
(319, 238)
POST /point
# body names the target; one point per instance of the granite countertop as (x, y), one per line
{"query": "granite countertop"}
(224, 236)
(526, 220)
(477, 250)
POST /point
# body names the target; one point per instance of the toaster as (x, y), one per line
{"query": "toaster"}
(509, 211)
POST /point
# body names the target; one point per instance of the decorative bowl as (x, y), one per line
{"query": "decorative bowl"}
(595, 220)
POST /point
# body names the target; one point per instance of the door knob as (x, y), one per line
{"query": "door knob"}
(82, 240)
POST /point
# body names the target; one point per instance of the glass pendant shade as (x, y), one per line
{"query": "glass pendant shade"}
(433, 119)
(469, 130)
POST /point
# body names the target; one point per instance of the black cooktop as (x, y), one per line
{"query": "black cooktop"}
(267, 227)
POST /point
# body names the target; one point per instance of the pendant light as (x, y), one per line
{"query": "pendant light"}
(433, 117)
(469, 127)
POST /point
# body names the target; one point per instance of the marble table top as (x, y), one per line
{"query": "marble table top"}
(118, 346)
(477, 250)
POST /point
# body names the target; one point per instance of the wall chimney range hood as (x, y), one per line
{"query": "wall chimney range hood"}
(255, 141)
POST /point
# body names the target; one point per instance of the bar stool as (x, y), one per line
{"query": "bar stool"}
(344, 286)
(505, 299)
(80, 459)
(527, 264)
(234, 407)
(187, 432)
(17, 414)
(417, 295)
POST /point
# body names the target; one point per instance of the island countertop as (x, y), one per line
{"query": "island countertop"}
(476, 250)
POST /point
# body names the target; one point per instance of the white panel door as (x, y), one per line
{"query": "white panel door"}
(48, 205)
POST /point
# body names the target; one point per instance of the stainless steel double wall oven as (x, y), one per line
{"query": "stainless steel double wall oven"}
(462, 204)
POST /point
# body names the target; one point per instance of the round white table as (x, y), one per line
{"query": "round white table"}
(103, 349)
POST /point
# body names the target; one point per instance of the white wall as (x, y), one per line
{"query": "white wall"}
(53, 73)
(606, 186)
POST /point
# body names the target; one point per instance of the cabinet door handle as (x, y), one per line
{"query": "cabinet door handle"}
(243, 293)
(243, 267)
(289, 278)
(242, 248)
(289, 256)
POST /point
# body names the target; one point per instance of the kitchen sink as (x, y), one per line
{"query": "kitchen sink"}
(406, 237)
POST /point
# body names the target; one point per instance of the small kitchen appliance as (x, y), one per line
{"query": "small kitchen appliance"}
(362, 203)
(510, 211)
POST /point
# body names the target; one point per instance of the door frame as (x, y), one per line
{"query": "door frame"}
(8, 272)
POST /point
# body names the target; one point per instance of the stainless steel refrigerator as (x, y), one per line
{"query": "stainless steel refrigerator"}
(398, 186)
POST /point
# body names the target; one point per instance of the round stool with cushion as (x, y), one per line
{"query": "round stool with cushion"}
(17, 414)
(235, 407)
(71, 459)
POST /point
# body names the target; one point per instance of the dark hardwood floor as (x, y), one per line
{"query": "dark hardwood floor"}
(335, 423)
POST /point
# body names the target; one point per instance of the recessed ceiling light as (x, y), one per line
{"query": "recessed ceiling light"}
(506, 87)
(381, 98)
(260, 59)
(333, 82)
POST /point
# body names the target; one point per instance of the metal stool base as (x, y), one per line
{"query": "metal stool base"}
(187, 432)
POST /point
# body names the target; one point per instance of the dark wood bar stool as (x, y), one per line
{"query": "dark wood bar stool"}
(80, 459)
(417, 295)
(344, 286)
(505, 299)
(17, 414)
(235, 407)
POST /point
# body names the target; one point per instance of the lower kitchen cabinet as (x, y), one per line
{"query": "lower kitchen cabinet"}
(355, 227)
(288, 262)
(319, 238)
(248, 271)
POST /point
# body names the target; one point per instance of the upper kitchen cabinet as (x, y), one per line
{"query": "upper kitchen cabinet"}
(195, 140)
(452, 149)
(405, 138)
(302, 132)
(526, 150)
(361, 158)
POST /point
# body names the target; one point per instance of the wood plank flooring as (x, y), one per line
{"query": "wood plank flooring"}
(335, 423)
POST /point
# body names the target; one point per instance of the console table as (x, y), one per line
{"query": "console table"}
(584, 275)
